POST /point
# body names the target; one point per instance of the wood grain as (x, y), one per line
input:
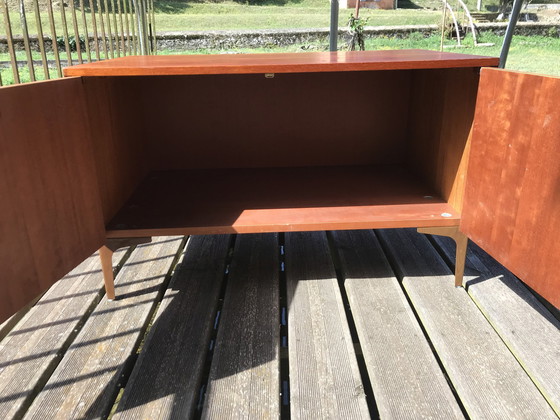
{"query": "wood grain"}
(404, 373)
(165, 382)
(324, 377)
(117, 127)
(512, 201)
(488, 379)
(278, 63)
(244, 380)
(50, 217)
(529, 330)
(84, 385)
(238, 121)
(32, 350)
(279, 200)
(442, 104)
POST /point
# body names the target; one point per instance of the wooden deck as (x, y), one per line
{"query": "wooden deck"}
(323, 325)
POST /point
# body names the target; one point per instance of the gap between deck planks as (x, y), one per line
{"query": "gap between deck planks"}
(244, 380)
(85, 383)
(166, 379)
(325, 380)
(35, 345)
(324, 376)
(529, 330)
(404, 373)
(486, 376)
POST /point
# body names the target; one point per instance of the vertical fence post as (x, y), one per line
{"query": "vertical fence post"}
(133, 27)
(41, 38)
(128, 49)
(509, 32)
(153, 31)
(65, 31)
(94, 24)
(333, 33)
(10, 40)
(86, 32)
(114, 13)
(134, 31)
(76, 31)
(109, 32)
(119, 9)
(141, 24)
(103, 36)
(53, 37)
(25, 31)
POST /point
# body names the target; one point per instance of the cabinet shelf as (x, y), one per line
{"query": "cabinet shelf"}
(279, 200)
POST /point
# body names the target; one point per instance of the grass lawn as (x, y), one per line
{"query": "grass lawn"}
(531, 54)
(535, 54)
(201, 15)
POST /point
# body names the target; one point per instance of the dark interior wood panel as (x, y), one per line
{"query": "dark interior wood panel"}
(279, 200)
(441, 113)
(512, 201)
(117, 129)
(234, 121)
(50, 215)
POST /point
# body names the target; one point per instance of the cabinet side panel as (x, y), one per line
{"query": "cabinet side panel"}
(512, 198)
(300, 119)
(441, 114)
(50, 218)
(117, 123)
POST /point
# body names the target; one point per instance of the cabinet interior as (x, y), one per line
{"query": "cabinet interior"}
(292, 151)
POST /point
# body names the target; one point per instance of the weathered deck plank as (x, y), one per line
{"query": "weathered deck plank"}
(488, 379)
(324, 376)
(166, 378)
(244, 378)
(530, 331)
(84, 384)
(404, 373)
(34, 347)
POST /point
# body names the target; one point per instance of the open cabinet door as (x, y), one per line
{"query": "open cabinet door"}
(50, 216)
(512, 197)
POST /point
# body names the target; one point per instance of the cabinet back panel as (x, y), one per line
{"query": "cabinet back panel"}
(298, 119)
(50, 218)
(441, 113)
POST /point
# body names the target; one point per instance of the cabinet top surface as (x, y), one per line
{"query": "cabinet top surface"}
(278, 63)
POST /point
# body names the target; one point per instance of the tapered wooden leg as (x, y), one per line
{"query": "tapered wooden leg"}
(461, 240)
(106, 256)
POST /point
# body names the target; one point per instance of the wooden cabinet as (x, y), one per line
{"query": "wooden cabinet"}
(143, 146)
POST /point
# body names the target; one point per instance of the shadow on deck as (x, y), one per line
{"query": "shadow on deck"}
(346, 324)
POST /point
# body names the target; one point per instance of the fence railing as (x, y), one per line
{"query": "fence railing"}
(39, 37)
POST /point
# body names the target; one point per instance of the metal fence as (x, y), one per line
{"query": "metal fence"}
(39, 37)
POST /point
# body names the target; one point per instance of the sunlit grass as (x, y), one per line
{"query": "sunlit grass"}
(535, 54)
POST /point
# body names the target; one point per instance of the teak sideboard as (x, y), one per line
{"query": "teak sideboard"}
(129, 148)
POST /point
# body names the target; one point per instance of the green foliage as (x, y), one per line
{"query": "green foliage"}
(356, 26)
(71, 43)
(553, 32)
